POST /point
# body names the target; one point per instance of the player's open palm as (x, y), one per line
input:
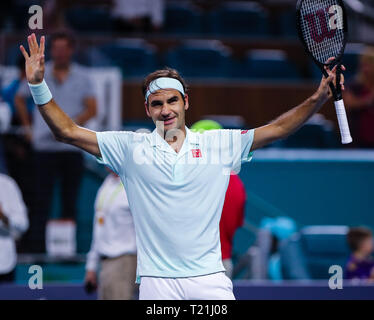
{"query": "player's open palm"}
(34, 61)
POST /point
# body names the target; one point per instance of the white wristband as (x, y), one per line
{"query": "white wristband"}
(40, 93)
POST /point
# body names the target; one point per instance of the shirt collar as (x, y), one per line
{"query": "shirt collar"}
(191, 141)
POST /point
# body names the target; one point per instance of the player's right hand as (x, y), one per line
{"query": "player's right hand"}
(34, 61)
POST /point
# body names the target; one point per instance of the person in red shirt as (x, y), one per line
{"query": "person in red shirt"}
(232, 218)
(233, 209)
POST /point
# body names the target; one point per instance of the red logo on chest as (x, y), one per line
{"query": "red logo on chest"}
(196, 153)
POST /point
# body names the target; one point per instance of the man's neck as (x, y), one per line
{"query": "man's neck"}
(174, 137)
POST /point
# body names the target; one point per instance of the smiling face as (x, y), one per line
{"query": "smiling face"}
(167, 107)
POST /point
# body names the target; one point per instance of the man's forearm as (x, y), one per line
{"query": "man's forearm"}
(293, 119)
(58, 121)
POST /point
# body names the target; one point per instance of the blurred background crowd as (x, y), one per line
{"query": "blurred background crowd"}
(244, 65)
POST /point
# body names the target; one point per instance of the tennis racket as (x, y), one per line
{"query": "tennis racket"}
(322, 28)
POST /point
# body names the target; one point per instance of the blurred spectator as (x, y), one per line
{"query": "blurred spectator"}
(13, 222)
(113, 244)
(360, 264)
(17, 147)
(73, 91)
(138, 15)
(9, 93)
(233, 208)
(359, 99)
(232, 218)
(5, 115)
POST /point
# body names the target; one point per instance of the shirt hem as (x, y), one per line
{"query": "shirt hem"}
(178, 275)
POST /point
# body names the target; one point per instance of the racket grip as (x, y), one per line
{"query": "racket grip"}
(343, 122)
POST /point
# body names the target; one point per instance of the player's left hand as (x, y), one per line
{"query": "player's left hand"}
(324, 90)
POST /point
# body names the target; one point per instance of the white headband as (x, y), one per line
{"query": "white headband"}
(164, 83)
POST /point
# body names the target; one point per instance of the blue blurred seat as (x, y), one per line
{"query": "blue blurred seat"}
(239, 18)
(182, 18)
(88, 19)
(269, 65)
(351, 59)
(135, 57)
(313, 251)
(200, 58)
(287, 23)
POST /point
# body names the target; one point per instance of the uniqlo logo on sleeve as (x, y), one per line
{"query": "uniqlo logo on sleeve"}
(196, 153)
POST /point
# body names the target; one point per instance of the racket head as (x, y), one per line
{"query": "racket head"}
(321, 45)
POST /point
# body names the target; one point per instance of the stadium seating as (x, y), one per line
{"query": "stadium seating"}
(269, 65)
(200, 58)
(88, 19)
(351, 59)
(287, 23)
(239, 19)
(313, 251)
(182, 18)
(135, 57)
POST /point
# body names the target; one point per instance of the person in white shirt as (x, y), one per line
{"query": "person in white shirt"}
(135, 15)
(175, 179)
(13, 222)
(113, 243)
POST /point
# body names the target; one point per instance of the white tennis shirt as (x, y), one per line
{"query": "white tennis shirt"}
(176, 198)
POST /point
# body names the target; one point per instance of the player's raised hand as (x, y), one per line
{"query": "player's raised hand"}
(325, 85)
(34, 61)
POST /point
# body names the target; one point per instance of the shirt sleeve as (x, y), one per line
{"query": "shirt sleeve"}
(242, 143)
(113, 147)
(16, 211)
(246, 139)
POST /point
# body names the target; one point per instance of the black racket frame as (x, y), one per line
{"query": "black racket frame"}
(336, 90)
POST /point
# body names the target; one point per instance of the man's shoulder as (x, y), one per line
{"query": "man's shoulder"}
(219, 134)
(136, 136)
(7, 181)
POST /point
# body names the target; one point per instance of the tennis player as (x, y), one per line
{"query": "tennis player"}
(175, 179)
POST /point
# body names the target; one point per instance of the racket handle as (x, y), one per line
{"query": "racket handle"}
(343, 122)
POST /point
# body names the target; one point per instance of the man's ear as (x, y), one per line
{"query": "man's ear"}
(186, 104)
(146, 109)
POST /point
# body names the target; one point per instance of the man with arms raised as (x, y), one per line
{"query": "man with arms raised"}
(175, 179)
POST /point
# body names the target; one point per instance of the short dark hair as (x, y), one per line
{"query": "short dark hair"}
(356, 235)
(165, 72)
(65, 35)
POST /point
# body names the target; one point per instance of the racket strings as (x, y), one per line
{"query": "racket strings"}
(322, 41)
